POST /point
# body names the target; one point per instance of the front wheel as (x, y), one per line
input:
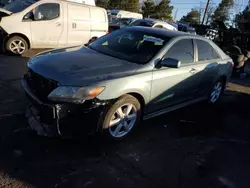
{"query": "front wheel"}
(17, 45)
(121, 117)
(216, 92)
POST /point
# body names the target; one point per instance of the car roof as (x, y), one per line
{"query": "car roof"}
(150, 20)
(162, 32)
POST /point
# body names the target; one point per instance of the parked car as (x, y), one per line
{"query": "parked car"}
(132, 74)
(191, 30)
(185, 27)
(173, 24)
(124, 14)
(120, 23)
(29, 24)
(123, 21)
(113, 27)
(153, 23)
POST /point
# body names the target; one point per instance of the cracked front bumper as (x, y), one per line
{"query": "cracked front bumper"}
(64, 119)
(36, 125)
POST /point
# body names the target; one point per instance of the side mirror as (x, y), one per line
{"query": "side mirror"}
(29, 16)
(171, 63)
(90, 41)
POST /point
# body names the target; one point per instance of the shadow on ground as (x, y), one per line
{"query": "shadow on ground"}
(186, 148)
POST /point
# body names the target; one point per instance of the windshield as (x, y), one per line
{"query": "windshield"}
(131, 45)
(19, 5)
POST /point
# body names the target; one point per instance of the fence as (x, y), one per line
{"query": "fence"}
(225, 37)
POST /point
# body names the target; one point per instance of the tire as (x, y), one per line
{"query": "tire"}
(123, 121)
(17, 45)
(216, 91)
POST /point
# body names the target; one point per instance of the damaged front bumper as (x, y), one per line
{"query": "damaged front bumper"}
(64, 119)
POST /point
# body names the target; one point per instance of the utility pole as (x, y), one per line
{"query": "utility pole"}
(205, 12)
(175, 15)
(200, 12)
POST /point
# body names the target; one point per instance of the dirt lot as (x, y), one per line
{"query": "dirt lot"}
(200, 146)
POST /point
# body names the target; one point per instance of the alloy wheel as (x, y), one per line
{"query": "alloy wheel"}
(217, 89)
(17, 47)
(123, 120)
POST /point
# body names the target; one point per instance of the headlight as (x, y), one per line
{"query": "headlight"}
(74, 94)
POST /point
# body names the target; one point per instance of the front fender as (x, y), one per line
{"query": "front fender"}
(139, 83)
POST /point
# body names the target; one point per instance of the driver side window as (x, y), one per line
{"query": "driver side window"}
(47, 11)
(183, 51)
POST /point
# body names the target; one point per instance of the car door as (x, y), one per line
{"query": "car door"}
(207, 66)
(47, 25)
(172, 86)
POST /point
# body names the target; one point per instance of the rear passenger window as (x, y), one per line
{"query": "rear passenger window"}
(206, 51)
(182, 50)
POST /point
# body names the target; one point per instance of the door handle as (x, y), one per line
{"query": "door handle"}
(58, 24)
(73, 25)
(193, 71)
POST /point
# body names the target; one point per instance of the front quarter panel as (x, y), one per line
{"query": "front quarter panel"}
(139, 83)
(14, 24)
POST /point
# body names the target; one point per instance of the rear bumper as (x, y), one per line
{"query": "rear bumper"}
(62, 120)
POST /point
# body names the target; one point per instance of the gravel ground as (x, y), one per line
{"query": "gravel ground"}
(198, 146)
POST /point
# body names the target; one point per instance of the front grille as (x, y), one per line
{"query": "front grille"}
(40, 85)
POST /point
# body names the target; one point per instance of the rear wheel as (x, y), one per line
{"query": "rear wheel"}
(121, 117)
(17, 45)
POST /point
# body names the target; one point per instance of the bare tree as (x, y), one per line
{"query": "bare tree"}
(210, 12)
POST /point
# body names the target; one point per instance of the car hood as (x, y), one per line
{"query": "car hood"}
(5, 11)
(79, 66)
